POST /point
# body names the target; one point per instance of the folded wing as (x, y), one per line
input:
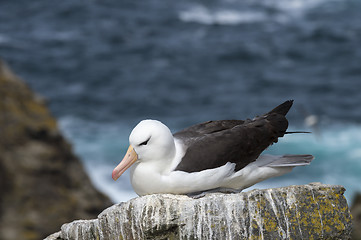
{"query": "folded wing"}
(213, 144)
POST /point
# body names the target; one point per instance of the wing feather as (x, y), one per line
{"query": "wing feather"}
(213, 144)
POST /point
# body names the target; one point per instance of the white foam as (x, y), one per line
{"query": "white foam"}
(118, 191)
(291, 9)
(286, 10)
(294, 6)
(203, 15)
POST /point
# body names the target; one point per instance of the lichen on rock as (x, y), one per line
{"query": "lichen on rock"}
(313, 211)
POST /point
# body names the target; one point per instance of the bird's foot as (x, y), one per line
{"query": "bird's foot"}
(197, 195)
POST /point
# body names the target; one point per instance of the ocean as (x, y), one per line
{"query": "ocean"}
(105, 65)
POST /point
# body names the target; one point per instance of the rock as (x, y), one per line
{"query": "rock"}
(313, 211)
(356, 213)
(42, 183)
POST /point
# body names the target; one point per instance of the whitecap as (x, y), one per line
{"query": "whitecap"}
(284, 11)
(203, 15)
(291, 9)
(294, 6)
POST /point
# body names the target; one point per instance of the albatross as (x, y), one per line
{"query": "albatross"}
(223, 155)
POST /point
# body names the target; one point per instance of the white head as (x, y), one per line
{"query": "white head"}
(150, 140)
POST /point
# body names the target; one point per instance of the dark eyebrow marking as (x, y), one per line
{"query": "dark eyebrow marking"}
(145, 142)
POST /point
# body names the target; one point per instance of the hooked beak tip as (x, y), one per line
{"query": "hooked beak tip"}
(114, 175)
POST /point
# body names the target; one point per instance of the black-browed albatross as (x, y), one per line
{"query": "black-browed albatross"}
(212, 156)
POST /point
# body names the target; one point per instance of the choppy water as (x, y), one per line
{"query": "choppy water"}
(105, 65)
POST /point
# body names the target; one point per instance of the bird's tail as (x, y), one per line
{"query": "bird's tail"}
(282, 108)
(276, 119)
(285, 160)
(293, 132)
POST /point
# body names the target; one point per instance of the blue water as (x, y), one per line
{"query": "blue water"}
(105, 65)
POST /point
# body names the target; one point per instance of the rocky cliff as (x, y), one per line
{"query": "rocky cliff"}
(313, 211)
(42, 183)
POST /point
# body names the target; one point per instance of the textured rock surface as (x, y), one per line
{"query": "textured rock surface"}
(356, 213)
(312, 211)
(42, 184)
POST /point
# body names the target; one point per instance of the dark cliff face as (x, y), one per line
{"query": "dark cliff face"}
(42, 183)
(356, 214)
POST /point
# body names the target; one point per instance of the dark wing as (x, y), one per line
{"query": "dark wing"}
(209, 127)
(213, 144)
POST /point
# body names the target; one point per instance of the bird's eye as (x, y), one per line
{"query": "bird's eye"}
(144, 143)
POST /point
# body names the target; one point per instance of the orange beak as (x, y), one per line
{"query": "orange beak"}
(129, 158)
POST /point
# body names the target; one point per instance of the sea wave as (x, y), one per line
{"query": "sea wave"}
(249, 12)
(203, 15)
(294, 6)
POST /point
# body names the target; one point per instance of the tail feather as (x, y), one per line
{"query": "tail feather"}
(285, 160)
(282, 108)
(297, 132)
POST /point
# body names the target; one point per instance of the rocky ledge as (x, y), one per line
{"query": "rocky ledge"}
(313, 211)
